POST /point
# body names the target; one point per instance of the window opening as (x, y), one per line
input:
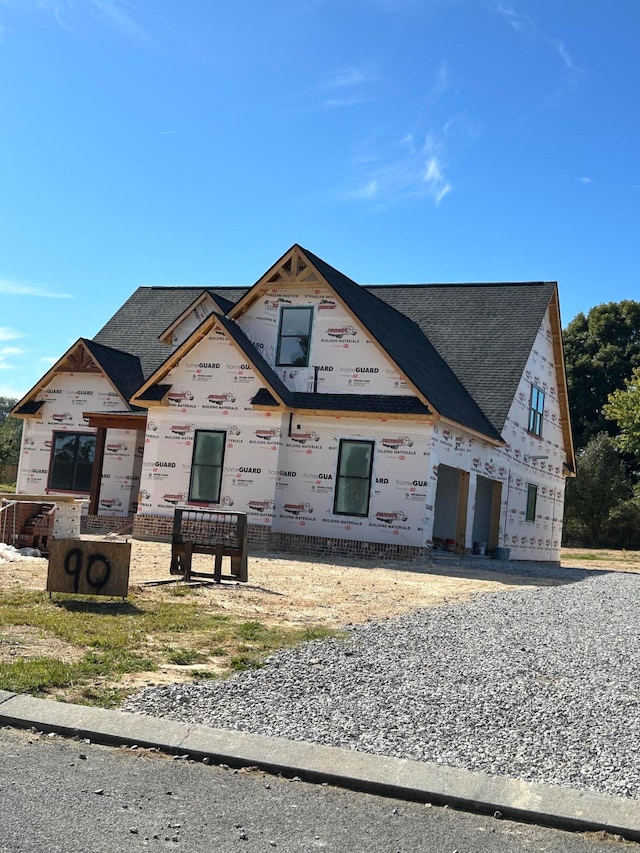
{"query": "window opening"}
(353, 481)
(532, 498)
(294, 337)
(72, 456)
(536, 410)
(207, 465)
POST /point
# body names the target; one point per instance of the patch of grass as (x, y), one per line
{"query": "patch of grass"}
(7, 488)
(118, 638)
(241, 662)
(608, 556)
(185, 657)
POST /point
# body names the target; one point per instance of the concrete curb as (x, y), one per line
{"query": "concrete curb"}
(565, 808)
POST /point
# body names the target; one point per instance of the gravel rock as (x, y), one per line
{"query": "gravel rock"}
(541, 684)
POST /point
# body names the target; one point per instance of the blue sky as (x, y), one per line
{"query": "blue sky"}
(150, 142)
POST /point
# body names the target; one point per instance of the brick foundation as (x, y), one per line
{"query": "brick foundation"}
(159, 529)
(95, 524)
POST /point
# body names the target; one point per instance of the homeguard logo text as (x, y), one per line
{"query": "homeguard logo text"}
(359, 370)
(79, 393)
(208, 365)
(164, 464)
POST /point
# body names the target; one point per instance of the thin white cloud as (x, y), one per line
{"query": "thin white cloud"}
(13, 288)
(5, 351)
(12, 392)
(526, 26)
(7, 334)
(442, 83)
(346, 88)
(338, 103)
(347, 78)
(369, 191)
(407, 171)
(116, 13)
(584, 180)
(515, 19)
(48, 359)
(566, 57)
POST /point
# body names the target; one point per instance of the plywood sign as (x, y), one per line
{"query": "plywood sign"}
(89, 567)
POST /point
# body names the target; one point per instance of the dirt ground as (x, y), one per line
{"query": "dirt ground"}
(300, 592)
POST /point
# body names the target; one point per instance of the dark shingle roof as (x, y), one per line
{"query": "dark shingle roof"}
(154, 394)
(484, 331)
(414, 354)
(136, 326)
(463, 346)
(31, 407)
(379, 403)
(122, 368)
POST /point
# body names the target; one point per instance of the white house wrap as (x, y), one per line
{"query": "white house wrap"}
(338, 417)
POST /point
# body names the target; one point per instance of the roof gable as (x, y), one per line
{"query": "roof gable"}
(85, 356)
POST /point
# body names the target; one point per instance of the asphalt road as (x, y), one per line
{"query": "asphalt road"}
(75, 797)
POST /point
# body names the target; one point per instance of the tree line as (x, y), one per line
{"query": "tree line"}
(602, 356)
(10, 437)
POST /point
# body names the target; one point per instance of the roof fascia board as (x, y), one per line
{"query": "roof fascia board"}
(196, 336)
(55, 370)
(263, 282)
(563, 391)
(495, 442)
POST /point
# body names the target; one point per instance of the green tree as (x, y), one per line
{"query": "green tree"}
(624, 408)
(600, 487)
(10, 433)
(601, 350)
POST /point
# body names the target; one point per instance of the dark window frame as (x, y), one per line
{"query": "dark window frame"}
(341, 478)
(536, 411)
(532, 500)
(199, 465)
(72, 487)
(281, 336)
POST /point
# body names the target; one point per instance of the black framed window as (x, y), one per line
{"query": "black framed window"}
(532, 498)
(206, 465)
(536, 410)
(294, 337)
(72, 456)
(353, 481)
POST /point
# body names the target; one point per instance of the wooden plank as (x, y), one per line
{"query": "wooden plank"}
(461, 519)
(87, 567)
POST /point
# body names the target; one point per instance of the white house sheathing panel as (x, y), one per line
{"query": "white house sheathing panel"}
(539, 539)
(515, 466)
(308, 469)
(283, 475)
(191, 322)
(65, 398)
(341, 356)
(212, 388)
(282, 472)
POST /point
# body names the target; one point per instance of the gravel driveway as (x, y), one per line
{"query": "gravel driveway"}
(541, 684)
